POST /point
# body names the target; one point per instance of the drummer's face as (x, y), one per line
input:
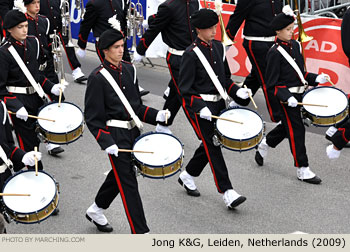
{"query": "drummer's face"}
(114, 53)
(19, 32)
(286, 33)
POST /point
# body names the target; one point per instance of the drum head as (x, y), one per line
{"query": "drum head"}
(67, 118)
(251, 127)
(334, 98)
(42, 190)
(167, 149)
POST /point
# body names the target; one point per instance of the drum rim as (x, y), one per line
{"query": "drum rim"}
(245, 139)
(49, 104)
(13, 211)
(162, 177)
(152, 133)
(325, 116)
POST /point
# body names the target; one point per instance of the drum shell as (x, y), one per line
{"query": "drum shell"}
(58, 137)
(329, 120)
(160, 171)
(40, 214)
(242, 144)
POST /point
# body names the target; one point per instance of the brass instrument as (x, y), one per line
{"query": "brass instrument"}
(303, 37)
(58, 59)
(139, 19)
(79, 4)
(66, 26)
(131, 21)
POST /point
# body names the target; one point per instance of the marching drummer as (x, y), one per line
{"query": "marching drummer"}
(23, 92)
(113, 114)
(203, 91)
(287, 80)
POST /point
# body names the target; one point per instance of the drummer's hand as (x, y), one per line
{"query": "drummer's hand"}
(332, 153)
(112, 150)
(322, 78)
(243, 93)
(29, 158)
(22, 114)
(205, 113)
(292, 102)
(162, 114)
(56, 89)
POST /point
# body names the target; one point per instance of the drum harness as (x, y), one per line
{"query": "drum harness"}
(7, 162)
(214, 79)
(119, 123)
(299, 89)
(26, 90)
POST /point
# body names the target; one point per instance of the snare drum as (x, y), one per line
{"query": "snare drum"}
(68, 125)
(334, 98)
(43, 199)
(236, 136)
(167, 158)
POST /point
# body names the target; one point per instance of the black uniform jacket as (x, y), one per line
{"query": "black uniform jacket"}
(39, 27)
(7, 143)
(257, 15)
(97, 13)
(345, 33)
(12, 75)
(51, 10)
(102, 102)
(5, 6)
(173, 21)
(280, 75)
(194, 79)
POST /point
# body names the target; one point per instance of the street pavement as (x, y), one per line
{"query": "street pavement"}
(277, 203)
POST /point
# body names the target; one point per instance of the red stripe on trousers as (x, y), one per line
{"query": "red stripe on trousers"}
(122, 195)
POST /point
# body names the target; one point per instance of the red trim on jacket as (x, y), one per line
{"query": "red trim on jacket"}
(228, 91)
(277, 87)
(144, 42)
(44, 82)
(13, 152)
(8, 97)
(306, 75)
(144, 116)
(194, 96)
(342, 130)
(99, 133)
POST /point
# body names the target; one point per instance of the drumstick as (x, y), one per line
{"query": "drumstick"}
(36, 162)
(251, 98)
(35, 117)
(329, 80)
(166, 116)
(60, 98)
(309, 104)
(139, 151)
(14, 194)
(225, 119)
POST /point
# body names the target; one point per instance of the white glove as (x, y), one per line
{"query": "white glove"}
(81, 53)
(112, 150)
(29, 158)
(332, 153)
(145, 24)
(22, 114)
(292, 102)
(322, 78)
(233, 104)
(162, 114)
(205, 113)
(243, 93)
(56, 89)
(137, 57)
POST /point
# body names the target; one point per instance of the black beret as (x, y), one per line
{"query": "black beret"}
(281, 21)
(26, 2)
(109, 37)
(204, 18)
(13, 18)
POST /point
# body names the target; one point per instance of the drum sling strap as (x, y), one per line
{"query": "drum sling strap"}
(211, 74)
(3, 155)
(292, 63)
(26, 72)
(122, 97)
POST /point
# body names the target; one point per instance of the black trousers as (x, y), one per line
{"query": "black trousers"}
(173, 101)
(49, 71)
(257, 51)
(207, 152)
(70, 52)
(342, 136)
(292, 127)
(122, 180)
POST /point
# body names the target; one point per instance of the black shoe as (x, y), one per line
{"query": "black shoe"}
(259, 159)
(194, 193)
(315, 180)
(103, 228)
(237, 202)
(144, 92)
(329, 138)
(81, 80)
(55, 151)
(55, 212)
